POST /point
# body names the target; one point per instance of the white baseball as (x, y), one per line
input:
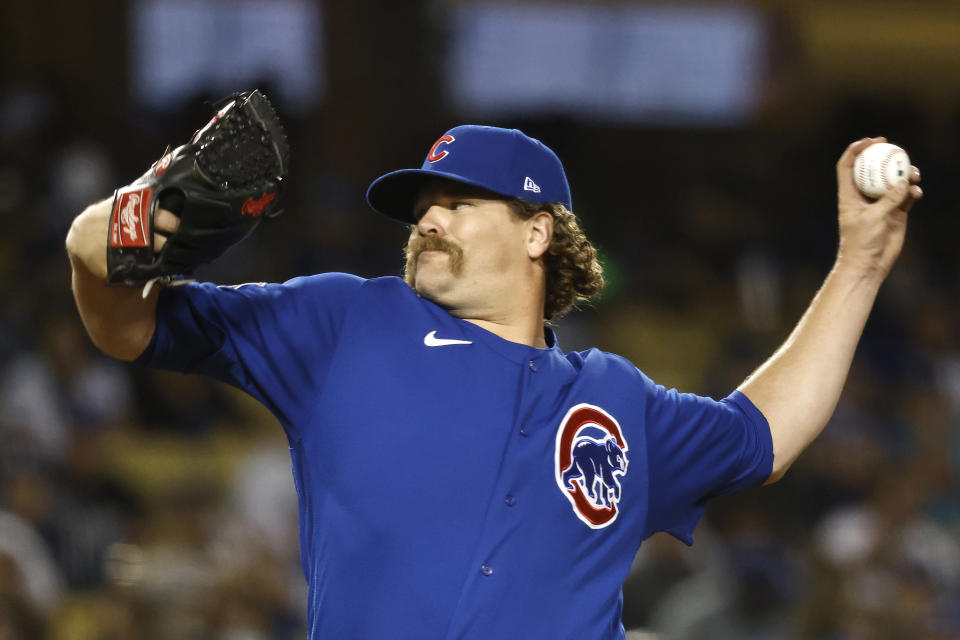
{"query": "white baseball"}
(879, 167)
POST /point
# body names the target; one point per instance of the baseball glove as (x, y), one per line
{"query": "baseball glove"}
(221, 184)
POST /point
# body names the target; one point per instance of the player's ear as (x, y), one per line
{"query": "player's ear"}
(539, 234)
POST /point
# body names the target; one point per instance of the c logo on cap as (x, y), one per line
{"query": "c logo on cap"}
(433, 156)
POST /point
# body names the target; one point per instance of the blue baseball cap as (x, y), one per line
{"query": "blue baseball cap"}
(505, 161)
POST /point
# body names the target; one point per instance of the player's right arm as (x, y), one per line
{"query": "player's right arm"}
(799, 386)
(119, 320)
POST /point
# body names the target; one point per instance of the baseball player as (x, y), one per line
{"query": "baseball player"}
(459, 474)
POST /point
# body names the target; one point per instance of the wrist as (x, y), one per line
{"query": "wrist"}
(860, 268)
(86, 241)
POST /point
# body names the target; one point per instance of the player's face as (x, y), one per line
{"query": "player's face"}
(466, 249)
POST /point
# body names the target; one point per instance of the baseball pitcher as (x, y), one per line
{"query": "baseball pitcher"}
(459, 474)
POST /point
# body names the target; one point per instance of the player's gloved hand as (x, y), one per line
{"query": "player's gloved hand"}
(220, 185)
(872, 231)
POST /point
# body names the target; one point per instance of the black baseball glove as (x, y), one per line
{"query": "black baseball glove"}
(221, 184)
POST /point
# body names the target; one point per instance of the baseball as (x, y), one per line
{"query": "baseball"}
(879, 167)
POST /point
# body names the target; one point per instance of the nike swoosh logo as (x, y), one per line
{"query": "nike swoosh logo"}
(431, 340)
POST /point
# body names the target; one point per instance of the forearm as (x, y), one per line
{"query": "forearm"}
(798, 388)
(119, 321)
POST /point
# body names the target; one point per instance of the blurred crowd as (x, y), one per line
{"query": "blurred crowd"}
(139, 504)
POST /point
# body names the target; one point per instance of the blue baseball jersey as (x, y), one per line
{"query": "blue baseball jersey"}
(453, 484)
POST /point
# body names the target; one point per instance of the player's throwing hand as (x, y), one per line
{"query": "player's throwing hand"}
(872, 231)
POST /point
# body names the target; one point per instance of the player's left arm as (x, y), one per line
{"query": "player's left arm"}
(798, 388)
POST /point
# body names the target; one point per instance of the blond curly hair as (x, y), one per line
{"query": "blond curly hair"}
(574, 273)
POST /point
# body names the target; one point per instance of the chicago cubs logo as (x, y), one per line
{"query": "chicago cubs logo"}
(432, 155)
(589, 460)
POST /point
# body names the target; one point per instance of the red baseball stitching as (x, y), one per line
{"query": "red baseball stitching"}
(885, 163)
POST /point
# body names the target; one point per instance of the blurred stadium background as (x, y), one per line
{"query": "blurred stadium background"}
(700, 139)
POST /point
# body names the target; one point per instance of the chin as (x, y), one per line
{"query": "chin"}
(426, 289)
(434, 288)
(430, 277)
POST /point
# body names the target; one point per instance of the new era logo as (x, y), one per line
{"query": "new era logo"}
(530, 185)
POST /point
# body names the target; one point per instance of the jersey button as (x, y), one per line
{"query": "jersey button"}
(533, 367)
(486, 570)
(510, 500)
(523, 431)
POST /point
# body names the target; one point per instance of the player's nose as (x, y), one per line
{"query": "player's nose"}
(432, 221)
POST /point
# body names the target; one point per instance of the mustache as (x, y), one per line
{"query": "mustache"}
(429, 243)
(432, 243)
